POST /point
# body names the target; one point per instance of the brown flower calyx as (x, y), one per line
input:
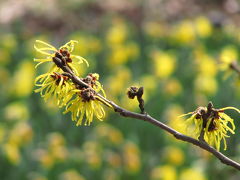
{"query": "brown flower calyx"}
(137, 92)
(62, 57)
(208, 114)
(87, 94)
(90, 79)
(57, 77)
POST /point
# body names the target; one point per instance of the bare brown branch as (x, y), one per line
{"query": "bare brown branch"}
(145, 117)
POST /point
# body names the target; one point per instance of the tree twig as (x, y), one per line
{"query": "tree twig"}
(145, 117)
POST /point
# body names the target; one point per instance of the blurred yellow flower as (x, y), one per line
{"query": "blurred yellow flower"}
(117, 33)
(206, 84)
(228, 55)
(71, 174)
(131, 155)
(119, 80)
(3, 132)
(203, 26)
(56, 139)
(9, 42)
(56, 147)
(184, 32)
(114, 159)
(110, 174)
(154, 29)
(116, 136)
(131, 105)
(118, 55)
(5, 77)
(12, 153)
(132, 49)
(93, 154)
(87, 44)
(172, 87)
(165, 172)
(149, 82)
(59, 153)
(103, 130)
(213, 122)
(190, 173)
(174, 121)
(5, 57)
(16, 111)
(164, 64)
(23, 79)
(24, 134)
(207, 65)
(45, 158)
(174, 155)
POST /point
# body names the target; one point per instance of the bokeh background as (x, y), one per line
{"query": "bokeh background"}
(178, 50)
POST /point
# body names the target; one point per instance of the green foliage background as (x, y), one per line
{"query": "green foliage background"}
(180, 59)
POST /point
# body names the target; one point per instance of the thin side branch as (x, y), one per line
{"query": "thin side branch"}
(145, 117)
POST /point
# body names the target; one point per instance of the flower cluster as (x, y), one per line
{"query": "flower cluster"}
(81, 100)
(211, 125)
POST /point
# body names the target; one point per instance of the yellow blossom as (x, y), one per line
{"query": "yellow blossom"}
(64, 52)
(86, 102)
(79, 107)
(54, 85)
(213, 122)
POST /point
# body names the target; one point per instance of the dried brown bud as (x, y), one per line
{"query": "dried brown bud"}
(132, 92)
